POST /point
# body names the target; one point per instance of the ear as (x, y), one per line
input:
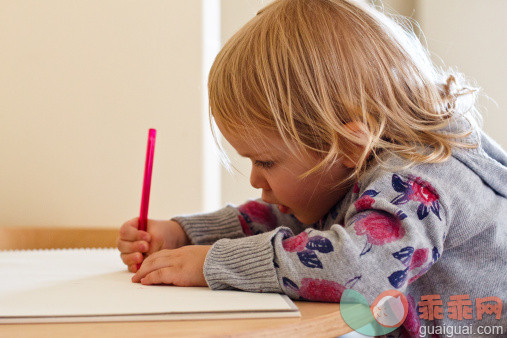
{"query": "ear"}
(354, 151)
(349, 163)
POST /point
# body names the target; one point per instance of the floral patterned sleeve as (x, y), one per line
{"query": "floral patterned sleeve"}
(257, 217)
(385, 234)
(251, 218)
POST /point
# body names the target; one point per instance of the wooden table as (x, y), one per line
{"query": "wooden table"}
(317, 319)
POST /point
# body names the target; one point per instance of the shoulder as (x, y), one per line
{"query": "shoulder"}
(451, 191)
(445, 180)
(424, 190)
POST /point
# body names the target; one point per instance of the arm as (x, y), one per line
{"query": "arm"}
(393, 231)
(183, 265)
(252, 218)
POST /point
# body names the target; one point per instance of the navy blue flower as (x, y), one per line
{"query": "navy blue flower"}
(309, 258)
(404, 255)
(319, 243)
(289, 284)
(398, 278)
(418, 190)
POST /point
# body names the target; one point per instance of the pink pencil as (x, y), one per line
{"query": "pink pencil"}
(148, 167)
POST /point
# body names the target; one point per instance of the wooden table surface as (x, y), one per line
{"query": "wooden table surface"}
(317, 319)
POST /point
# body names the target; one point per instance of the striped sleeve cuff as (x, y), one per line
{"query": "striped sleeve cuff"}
(243, 263)
(205, 229)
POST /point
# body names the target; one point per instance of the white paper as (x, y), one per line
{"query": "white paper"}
(93, 285)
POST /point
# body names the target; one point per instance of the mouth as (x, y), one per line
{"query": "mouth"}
(282, 208)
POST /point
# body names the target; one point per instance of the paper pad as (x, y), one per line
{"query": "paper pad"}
(82, 285)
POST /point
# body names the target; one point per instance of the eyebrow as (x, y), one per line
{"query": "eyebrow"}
(252, 155)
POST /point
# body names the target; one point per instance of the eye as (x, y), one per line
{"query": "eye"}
(264, 164)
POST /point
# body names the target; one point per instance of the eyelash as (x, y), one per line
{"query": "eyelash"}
(264, 164)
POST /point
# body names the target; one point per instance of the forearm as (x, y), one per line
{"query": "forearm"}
(380, 246)
(250, 218)
(204, 229)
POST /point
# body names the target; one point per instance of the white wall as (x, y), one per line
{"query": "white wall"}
(80, 84)
(236, 184)
(471, 36)
(401, 7)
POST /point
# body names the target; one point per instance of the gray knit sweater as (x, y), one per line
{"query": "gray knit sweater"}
(432, 229)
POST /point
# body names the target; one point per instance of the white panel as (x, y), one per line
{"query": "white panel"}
(471, 36)
(236, 184)
(401, 7)
(81, 82)
(211, 29)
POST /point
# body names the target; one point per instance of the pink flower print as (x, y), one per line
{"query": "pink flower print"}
(295, 243)
(411, 323)
(417, 190)
(419, 274)
(257, 212)
(321, 290)
(379, 228)
(364, 203)
(423, 192)
(419, 257)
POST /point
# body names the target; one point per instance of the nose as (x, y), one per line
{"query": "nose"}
(257, 179)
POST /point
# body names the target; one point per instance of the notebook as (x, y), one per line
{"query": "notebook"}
(86, 285)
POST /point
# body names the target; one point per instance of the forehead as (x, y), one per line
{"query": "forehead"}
(254, 144)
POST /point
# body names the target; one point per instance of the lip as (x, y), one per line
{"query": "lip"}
(277, 205)
(284, 209)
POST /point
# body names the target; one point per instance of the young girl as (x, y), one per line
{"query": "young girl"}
(374, 174)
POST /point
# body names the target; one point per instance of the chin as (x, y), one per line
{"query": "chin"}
(306, 219)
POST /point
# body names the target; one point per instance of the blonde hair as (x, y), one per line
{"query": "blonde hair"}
(327, 75)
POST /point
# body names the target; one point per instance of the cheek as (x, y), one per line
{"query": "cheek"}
(284, 185)
(314, 189)
(298, 194)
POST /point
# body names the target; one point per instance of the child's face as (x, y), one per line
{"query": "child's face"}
(276, 171)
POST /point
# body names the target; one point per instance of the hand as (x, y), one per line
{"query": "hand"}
(160, 235)
(181, 267)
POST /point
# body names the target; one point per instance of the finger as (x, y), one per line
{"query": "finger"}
(153, 248)
(128, 247)
(160, 276)
(132, 258)
(158, 260)
(129, 232)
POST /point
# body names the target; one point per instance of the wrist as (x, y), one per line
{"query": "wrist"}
(182, 236)
(186, 240)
